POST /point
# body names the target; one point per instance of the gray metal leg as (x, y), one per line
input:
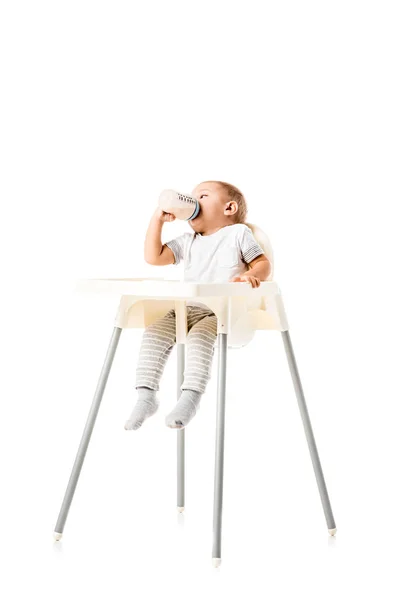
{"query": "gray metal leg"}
(309, 433)
(219, 448)
(73, 480)
(181, 434)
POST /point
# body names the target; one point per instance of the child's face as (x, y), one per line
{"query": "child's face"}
(215, 207)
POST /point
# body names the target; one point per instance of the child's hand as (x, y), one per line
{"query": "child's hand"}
(164, 216)
(255, 281)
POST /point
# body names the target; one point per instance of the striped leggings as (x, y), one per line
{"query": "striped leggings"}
(159, 339)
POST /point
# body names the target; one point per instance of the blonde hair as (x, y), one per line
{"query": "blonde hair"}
(236, 195)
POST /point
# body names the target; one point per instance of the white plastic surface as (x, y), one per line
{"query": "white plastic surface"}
(174, 289)
(216, 562)
(240, 308)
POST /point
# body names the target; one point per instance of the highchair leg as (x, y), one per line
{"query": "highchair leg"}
(181, 435)
(181, 333)
(309, 433)
(87, 433)
(219, 448)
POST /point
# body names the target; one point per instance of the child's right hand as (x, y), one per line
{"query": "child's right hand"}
(164, 216)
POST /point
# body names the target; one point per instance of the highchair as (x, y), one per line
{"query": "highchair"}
(240, 310)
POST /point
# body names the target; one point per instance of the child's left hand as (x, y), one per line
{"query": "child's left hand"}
(255, 281)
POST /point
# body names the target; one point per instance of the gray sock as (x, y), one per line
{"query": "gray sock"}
(146, 405)
(185, 409)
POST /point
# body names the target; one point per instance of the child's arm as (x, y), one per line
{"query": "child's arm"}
(155, 252)
(259, 266)
(259, 270)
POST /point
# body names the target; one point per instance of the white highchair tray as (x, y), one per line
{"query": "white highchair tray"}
(143, 300)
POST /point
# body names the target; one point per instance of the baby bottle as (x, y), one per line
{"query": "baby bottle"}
(182, 206)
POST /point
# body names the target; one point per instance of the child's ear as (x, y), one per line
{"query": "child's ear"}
(232, 207)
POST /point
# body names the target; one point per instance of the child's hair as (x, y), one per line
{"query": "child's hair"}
(235, 194)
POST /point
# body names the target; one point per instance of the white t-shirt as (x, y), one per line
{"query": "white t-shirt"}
(217, 257)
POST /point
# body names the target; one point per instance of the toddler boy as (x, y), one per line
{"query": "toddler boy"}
(221, 248)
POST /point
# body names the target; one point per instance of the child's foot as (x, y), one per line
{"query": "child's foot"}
(146, 405)
(184, 410)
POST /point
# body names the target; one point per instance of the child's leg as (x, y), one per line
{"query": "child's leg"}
(200, 350)
(157, 343)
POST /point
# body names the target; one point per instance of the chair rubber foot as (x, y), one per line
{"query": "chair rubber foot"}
(181, 508)
(216, 562)
(57, 536)
(332, 531)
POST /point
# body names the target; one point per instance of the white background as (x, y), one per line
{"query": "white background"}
(103, 105)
